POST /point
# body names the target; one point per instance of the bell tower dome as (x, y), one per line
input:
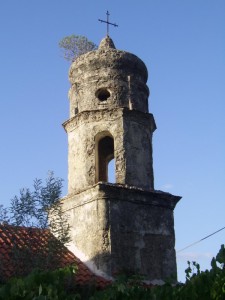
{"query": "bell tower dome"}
(126, 225)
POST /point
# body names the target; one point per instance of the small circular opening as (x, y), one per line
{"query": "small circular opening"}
(103, 94)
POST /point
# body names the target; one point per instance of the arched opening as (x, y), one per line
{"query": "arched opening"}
(105, 154)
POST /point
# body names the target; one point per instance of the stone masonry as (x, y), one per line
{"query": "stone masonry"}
(126, 226)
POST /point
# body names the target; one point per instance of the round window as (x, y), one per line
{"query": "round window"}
(102, 94)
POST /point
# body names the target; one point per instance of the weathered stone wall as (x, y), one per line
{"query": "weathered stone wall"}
(109, 94)
(142, 233)
(138, 129)
(120, 228)
(82, 132)
(132, 133)
(123, 74)
(89, 221)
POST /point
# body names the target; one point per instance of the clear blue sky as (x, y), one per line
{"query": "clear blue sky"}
(183, 46)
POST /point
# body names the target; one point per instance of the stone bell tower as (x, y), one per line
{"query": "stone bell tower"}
(127, 225)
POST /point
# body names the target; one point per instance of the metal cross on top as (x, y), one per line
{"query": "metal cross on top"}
(108, 23)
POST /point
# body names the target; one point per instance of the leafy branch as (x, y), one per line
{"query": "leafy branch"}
(75, 45)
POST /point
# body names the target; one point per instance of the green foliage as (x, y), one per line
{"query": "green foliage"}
(123, 288)
(4, 217)
(75, 45)
(32, 208)
(41, 286)
(207, 285)
(38, 207)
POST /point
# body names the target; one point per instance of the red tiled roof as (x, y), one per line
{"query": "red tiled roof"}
(23, 249)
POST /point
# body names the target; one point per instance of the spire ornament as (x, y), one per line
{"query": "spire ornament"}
(107, 22)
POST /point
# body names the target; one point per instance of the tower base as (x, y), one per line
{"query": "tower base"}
(120, 229)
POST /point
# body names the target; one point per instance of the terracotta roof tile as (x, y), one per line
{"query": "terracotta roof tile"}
(23, 248)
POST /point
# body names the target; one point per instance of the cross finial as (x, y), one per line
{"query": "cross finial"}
(108, 23)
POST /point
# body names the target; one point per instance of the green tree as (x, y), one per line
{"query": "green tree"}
(40, 208)
(4, 214)
(32, 208)
(75, 45)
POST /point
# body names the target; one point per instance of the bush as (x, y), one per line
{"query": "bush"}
(39, 285)
(60, 284)
(207, 285)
